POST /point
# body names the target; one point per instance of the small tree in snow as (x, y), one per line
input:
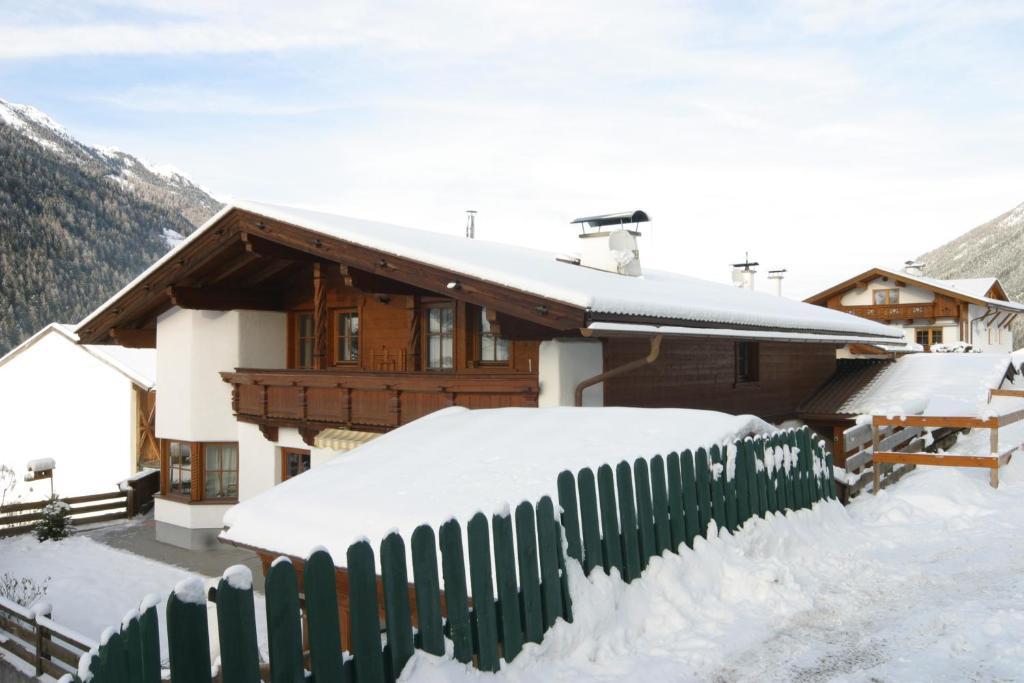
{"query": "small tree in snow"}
(55, 523)
(7, 482)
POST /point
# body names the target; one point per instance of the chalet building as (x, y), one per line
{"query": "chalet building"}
(89, 408)
(936, 314)
(285, 337)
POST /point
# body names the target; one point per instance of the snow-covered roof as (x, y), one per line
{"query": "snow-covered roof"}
(656, 294)
(456, 462)
(977, 286)
(138, 365)
(937, 384)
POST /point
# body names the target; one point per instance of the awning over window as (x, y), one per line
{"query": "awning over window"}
(342, 439)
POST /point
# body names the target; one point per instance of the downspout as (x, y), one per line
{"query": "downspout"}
(651, 356)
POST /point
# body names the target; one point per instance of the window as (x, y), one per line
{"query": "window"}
(303, 350)
(293, 462)
(747, 361)
(928, 336)
(220, 470)
(346, 337)
(492, 348)
(179, 460)
(440, 330)
(887, 297)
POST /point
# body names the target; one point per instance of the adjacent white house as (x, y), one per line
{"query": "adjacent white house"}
(937, 315)
(89, 408)
(286, 337)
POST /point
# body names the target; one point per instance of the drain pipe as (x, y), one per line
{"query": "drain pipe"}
(622, 369)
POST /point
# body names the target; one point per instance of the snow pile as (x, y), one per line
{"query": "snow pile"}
(932, 384)
(40, 464)
(917, 583)
(456, 462)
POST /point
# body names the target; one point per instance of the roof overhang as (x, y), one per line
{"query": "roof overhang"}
(612, 329)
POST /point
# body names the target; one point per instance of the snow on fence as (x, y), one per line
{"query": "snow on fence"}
(20, 518)
(33, 637)
(611, 520)
(859, 444)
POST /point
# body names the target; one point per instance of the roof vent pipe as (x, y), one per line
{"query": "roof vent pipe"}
(470, 224)
(777, 275)
(743, 273)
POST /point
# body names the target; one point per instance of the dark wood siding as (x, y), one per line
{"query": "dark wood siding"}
(701, 374)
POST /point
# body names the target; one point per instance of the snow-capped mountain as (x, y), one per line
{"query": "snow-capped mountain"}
(161, 184)
(77, 222)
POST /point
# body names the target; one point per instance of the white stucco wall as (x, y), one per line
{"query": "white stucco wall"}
(188, 516)
(986, 335)
(564, 363)
(60, 401)
(908, 295)
(260, 460)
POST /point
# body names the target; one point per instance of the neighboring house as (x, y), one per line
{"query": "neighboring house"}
(936, 314)
(947, 385)
(285, 337)
(90, 408)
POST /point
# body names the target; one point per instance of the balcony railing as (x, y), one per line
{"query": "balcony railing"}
(898, 311)
(377, 401)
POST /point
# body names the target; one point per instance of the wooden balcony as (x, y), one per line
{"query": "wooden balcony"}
(902, 311)
(311, 400)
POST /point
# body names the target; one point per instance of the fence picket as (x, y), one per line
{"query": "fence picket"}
(283, 628)
(702, 473)
(364, 614)
(570, 514)
(609, 521)
(398, 617)
(428, 591)
(729, 487)
(133, 648)
(752, 478)
(508, 589)
(548, 542)
(659, 506)
(830, 483)
(627, 521)
(188, 641)
(480, 576)
(453, 568)
(677, 516)
(741, 483)
(644, 511)
(529, 572)
(763, 475)
(114, 660)
(149, 639)
(236, 627)
(691, 500)
(718, 504)
(593, 551)
(318, 585)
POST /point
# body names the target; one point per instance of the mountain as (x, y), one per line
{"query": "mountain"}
(993, 249)
(78, 222)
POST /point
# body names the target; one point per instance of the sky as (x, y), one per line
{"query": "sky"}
(820, 136)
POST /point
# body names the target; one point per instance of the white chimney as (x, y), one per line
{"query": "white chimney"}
(470, 223)
(743, 273)
(611, 246)
(913, 268)
(777, 275)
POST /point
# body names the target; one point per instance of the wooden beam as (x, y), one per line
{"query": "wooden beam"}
(923, 421)
(269, 249)
(270, 432)
(320, 329)
(224, 299)
(516, 329)
(987, 461)
(373, 283)
(134, 338)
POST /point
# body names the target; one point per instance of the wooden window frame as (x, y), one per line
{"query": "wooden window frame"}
(477, 340)
(889, 292)
(336, 337)
(425, 334)
(285, 452)
(753, 374)
(197, 471)
(930, 332)
(295, 340)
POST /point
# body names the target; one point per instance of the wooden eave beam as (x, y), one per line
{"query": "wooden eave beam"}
(517, 329)
(373, 283)
(270, 249)
(224, 299)
(134, 338)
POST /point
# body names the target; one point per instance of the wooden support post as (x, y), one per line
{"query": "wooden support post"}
(993, 477)
(994, 440)
(875, 478)
(320, 332)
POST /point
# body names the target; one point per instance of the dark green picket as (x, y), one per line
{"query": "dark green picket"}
(785, 502)
(570, 515)
(801, 488)
(830, 482)
(659, 505)
(453, 568)
(548, 542)
(718, 503)
(644, 512)
(529, 572)
(481, 579)
(149, 637)
(702, 473)
(752, 478)
(188, 642)
(763, 479)
(611, 538)
(133, 649)
(428, 593)
(508, 588)
(627, 521)
(283, 628)
(114, 660)
(677, 517)
(593, 551)
(236, 628)
(398, 616)
(729, 487)
(741, 483)
(563, 581)
(364, 613)
(321, 592)
(691, 500)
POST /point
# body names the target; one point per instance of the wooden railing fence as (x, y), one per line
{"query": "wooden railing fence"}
(20, 518)
(859, 445)
(33, 637)
(614, 519)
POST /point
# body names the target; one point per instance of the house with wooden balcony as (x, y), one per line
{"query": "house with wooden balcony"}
(286, 337)
(937, 315)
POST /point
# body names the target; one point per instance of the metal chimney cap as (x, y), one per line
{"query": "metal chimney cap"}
(620, 218)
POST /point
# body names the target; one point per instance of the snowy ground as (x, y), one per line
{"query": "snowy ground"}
(924, 582)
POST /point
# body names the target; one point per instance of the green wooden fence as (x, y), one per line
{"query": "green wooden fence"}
(515, 589)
